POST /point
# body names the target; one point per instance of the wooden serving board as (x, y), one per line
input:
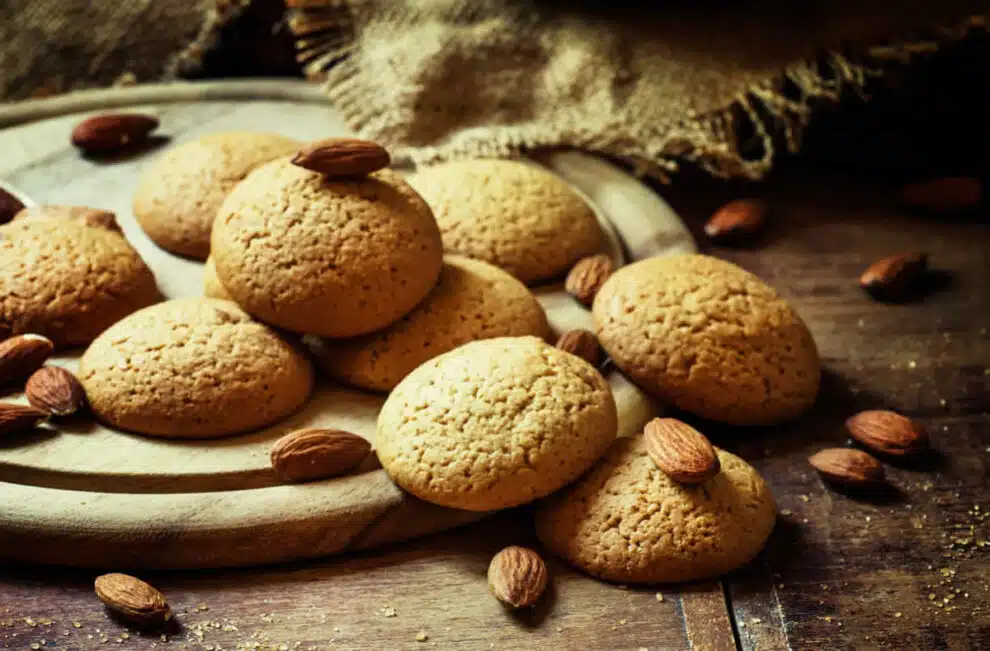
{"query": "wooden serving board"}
(85, 495)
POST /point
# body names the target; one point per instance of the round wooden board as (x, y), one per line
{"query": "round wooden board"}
(83, 494)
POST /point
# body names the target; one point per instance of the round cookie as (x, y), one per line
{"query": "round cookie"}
(514, 215)
(68, 281)
(628, 522)
(179, 194)
(473, 300)
(212, 288)
(710, 338)
(193, 368)
(495, 423)
(336, 258)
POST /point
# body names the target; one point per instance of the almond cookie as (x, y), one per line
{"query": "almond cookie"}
(212, 288)
(179, 194)
(514, 215)
(472, 301)
(708, 337)
(627, 521)
(193, 368)
(336, 258)
(68, 281)
(495, 423)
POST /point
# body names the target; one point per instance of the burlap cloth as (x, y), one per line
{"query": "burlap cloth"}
(724, 85)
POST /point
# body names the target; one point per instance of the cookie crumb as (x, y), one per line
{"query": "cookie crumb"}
(422, 636)
(659, 596)
(388, 611)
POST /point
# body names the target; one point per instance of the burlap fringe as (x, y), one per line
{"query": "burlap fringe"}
(190, 60)
(774, 114)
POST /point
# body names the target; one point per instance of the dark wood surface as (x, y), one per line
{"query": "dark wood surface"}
(906, 569)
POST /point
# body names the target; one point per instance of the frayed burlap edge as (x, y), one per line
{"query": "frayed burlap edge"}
(189, 60)
(770, 116)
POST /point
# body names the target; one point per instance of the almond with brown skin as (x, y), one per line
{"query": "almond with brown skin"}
(9, 206)
(95, 217)
(55, 390)
(847, 467)
(895, 277)
(887, 432)
(309, 454)
(15, 419)
(736, 220)
(945, 195)
(132, 599)
(587, 276)
(680, 451)
(343, 157)
(22, 355)
(517, 576)
(582, 343)
(112, 132)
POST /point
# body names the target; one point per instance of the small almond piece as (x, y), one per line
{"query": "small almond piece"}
(9, 206)
(950, 194)
(517, 576)
(132, 599)
(95, 217)
(343, 157)
(887, 432)
(894, 277)
(22, 355)
(681, 451)
(587, 276)
(308, 454)
(55, 390)
(736, 220)
(582, 343)
(111, 132)
(15, 419)
(847, 467)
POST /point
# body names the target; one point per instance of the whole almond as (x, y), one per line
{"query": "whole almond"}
(342, 157)
(54, 390)
(15, 419)
(681, 451)
(132, 599)
(887, 432)
(308, 454)
(517, 576)
(95, 217)
(22, 355)
(582, 343)
(736, 220)
(944, 195)
(9, 206)
(112, 132)
(847, 467)
(895, 277)
(587, 276)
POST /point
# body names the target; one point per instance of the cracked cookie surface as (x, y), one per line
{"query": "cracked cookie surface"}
(179, 195)
(336, 258)
(473, 300)
(627, 521)
(193, 368)
(68, 281)
(710, 338)
(495, 424)
(514, 215)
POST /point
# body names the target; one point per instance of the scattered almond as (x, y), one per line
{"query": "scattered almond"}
(887, 432)
(55, 390)
(847, 467)
(22, 355)
(112, 132)
(894, 277)
(582, 343)
(951, 194)
(681, 451)
(308, 454)
(132, 599)
(736, 220)
(9, 206)
(95, 217)
(15, 419)
(517, 576)
(587, 276)
(342, 157)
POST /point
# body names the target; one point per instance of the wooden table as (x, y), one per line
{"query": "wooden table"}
(908, 569)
